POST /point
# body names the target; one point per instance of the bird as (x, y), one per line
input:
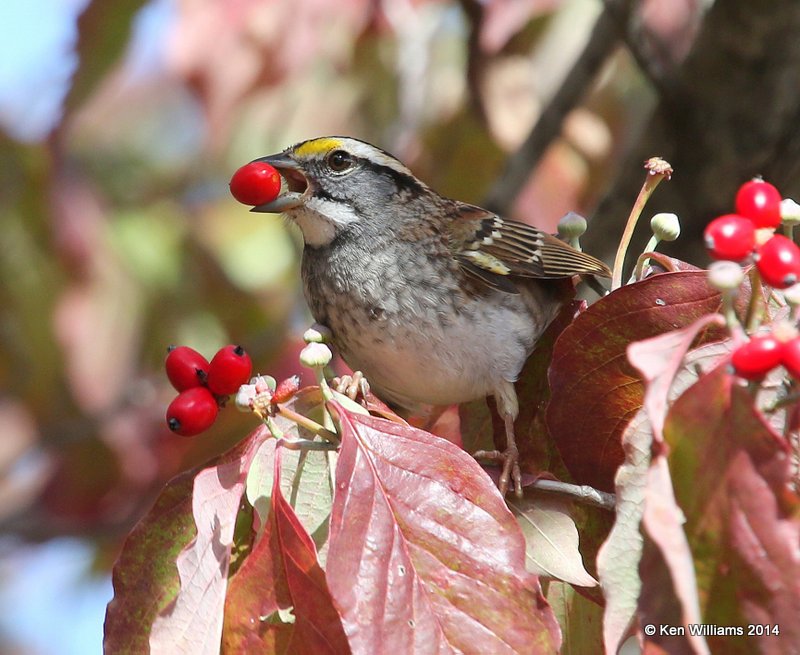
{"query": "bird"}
(436, 301)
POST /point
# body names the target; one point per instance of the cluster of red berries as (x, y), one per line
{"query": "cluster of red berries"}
(256, 183)
(765, 352)
(202, 386)
(735, 237)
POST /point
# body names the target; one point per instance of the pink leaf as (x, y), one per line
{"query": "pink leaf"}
(193, 623)
(505, 18)
(256, 591)
(658, 360)
(424, 552)
(145, 579)
(619, 556)
(644, 493)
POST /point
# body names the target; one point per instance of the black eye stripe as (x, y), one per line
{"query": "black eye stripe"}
(341, 161)
(401, 180)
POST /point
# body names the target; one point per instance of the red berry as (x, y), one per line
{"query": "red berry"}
(778, 261)
(730, 237)
(757, 357)
(790, 357)
(192, 411)
(256, 183)
(229, 369)
(186, 368)
(760, 202)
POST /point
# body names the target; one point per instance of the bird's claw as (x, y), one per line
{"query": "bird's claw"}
(510, 473)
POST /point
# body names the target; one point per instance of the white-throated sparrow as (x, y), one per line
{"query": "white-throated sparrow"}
(434, 300)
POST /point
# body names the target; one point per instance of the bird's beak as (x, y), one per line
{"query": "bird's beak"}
(294, 185)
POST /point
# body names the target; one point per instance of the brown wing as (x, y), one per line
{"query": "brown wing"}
(492, 247)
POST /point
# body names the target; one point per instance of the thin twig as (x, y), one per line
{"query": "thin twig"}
(582, 493)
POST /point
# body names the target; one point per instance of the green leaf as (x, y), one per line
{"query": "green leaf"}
(306, 478)
(581, 619)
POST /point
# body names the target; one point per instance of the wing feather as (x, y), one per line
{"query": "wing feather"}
(485, 242)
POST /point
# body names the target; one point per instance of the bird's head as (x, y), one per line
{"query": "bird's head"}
(331, 184)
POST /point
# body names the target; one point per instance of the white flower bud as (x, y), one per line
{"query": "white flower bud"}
(315, 355)
(264, 383)
(244, 397)
(317, 334)
(790, 211)
(571, 226)
(665, 226)
(725, 276)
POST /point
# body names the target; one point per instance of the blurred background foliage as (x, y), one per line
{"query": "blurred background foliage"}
(121, 122)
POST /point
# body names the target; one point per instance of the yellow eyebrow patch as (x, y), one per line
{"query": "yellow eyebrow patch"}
(317, 146)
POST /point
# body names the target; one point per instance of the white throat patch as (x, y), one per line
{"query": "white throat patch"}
(319, 220)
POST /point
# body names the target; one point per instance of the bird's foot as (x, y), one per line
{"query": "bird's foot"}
(509, 457)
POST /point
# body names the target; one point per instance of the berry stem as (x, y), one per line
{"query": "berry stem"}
(308, 424)
(643, 261)
(728, 310)
(756, 305)
(305, 445)
(275, 431)
(657, 170)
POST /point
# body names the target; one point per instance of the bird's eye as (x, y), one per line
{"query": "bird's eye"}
(339, 161)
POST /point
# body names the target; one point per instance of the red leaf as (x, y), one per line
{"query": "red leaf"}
(668, 264)
(732, 477)
(658, 361)
(282, 572)
(595, 391)
(255, 592)
(424, 552)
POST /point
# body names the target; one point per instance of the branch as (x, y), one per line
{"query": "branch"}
(602, 41)
(582, 493)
